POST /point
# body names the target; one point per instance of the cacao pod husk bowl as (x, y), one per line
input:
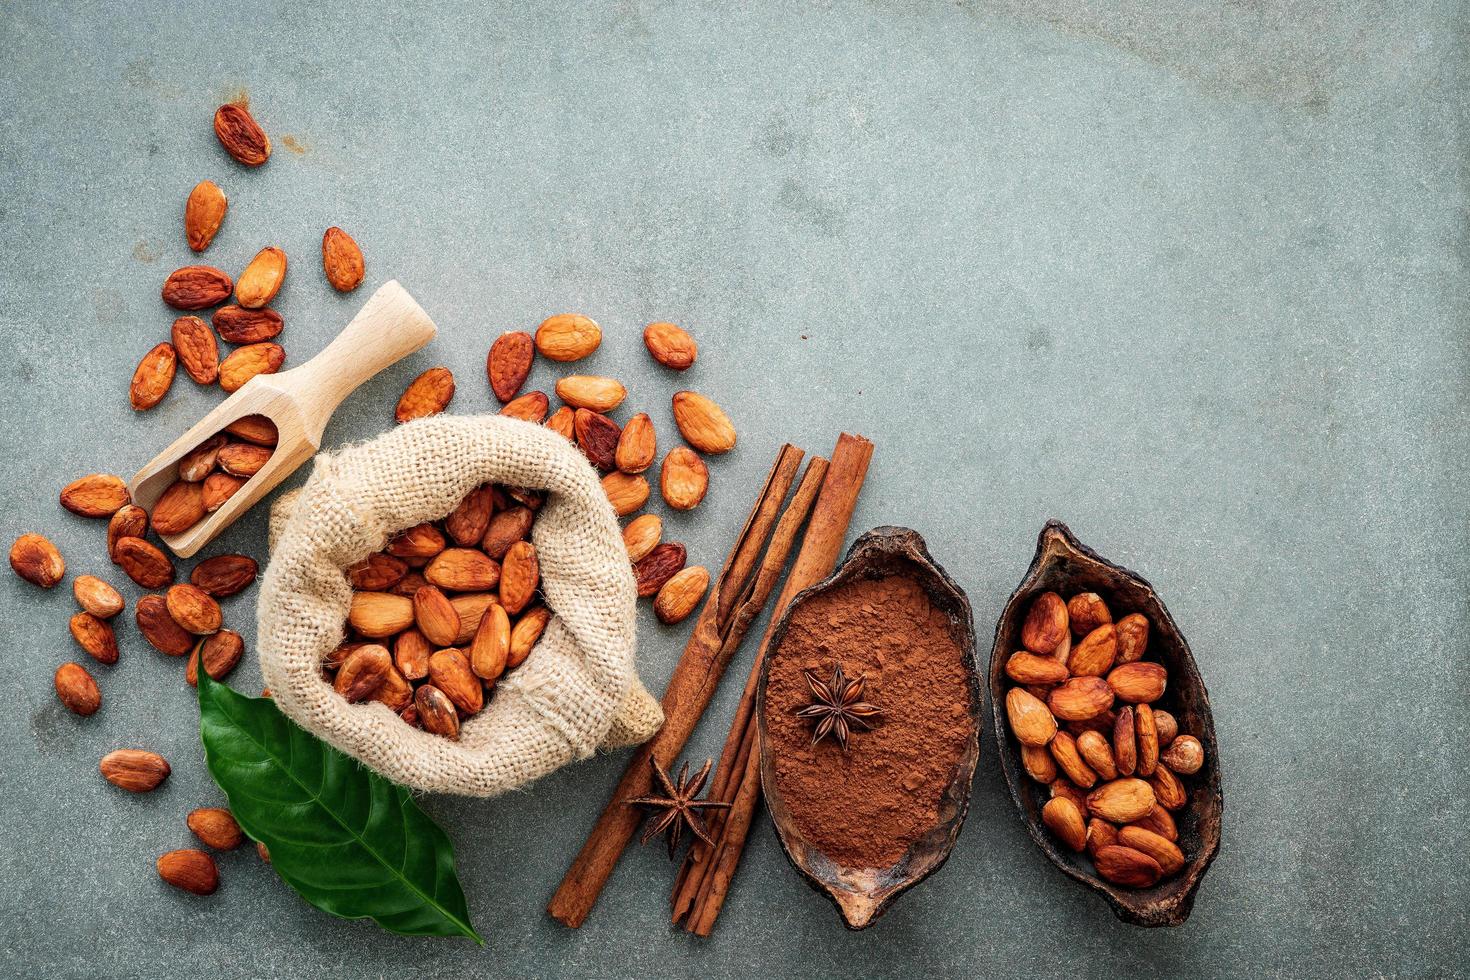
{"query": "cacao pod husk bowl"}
(1064, 565)
(862, 894)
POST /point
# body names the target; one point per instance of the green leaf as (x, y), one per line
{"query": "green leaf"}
(349, 841)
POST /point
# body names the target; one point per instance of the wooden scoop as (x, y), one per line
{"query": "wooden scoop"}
(389, 327)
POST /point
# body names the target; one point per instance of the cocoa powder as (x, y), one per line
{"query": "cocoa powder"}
(863, 808)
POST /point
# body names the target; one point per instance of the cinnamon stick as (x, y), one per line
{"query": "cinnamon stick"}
(704, 879)
(745, 554)
(690, 688)
(793, 518)
(721, 872)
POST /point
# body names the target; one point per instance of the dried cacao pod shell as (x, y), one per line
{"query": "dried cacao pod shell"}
(1143, 627)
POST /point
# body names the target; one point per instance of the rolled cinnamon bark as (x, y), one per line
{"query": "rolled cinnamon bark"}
(693, 683)
(704, 880)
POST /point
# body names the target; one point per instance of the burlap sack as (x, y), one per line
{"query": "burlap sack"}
(578, 690)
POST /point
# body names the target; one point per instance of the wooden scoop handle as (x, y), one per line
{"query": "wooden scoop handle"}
(389, 327)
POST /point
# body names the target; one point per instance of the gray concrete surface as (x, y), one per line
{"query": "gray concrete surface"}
(1192, 277)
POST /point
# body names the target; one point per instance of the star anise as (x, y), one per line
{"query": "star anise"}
(679, 807)
(836, 707)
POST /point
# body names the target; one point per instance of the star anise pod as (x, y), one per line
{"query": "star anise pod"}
(836, 707)
(679, 807)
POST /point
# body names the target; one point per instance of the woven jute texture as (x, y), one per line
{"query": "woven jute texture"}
(578, 690)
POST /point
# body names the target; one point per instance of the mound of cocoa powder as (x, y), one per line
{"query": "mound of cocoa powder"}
(864, 807)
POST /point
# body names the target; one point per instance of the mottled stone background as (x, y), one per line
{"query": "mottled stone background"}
(1190, 276)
